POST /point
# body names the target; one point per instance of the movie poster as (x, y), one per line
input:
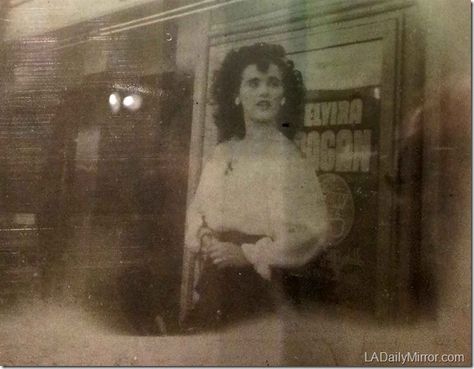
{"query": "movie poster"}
(340, 139)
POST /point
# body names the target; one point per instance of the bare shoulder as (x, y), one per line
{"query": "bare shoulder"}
(287, 149)
(223, 150)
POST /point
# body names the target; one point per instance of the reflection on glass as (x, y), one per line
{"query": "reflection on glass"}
(114, 102)
(133, 102)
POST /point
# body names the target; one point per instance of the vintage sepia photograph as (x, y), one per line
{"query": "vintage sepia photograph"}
(235, 183)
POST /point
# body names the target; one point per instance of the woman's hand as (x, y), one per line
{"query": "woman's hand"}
(206, 242)
(225, 254)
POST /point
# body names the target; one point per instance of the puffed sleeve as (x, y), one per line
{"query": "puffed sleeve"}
(298, 215)
(203, 201)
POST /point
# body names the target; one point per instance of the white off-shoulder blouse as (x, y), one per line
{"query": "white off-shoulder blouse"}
(265, 189)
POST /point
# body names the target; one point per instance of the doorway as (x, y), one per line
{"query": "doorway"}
(117, 199)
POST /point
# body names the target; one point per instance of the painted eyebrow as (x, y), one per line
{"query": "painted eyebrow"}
(255, 79)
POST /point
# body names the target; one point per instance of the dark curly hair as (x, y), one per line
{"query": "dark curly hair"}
(229, 117)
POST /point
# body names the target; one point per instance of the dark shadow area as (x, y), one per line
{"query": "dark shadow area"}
(112, 227)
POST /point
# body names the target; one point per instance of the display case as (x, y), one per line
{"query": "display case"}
(352, 57)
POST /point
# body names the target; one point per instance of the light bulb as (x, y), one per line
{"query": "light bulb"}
(133, 102)
(114, 102)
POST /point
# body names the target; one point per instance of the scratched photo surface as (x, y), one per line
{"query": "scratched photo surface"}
(235, 182)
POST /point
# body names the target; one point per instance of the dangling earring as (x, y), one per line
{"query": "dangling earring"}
(237, 101)
(283, 101)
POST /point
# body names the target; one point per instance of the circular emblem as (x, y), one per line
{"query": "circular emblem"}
(340, 206)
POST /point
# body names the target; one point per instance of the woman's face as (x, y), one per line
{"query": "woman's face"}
(261, 93)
